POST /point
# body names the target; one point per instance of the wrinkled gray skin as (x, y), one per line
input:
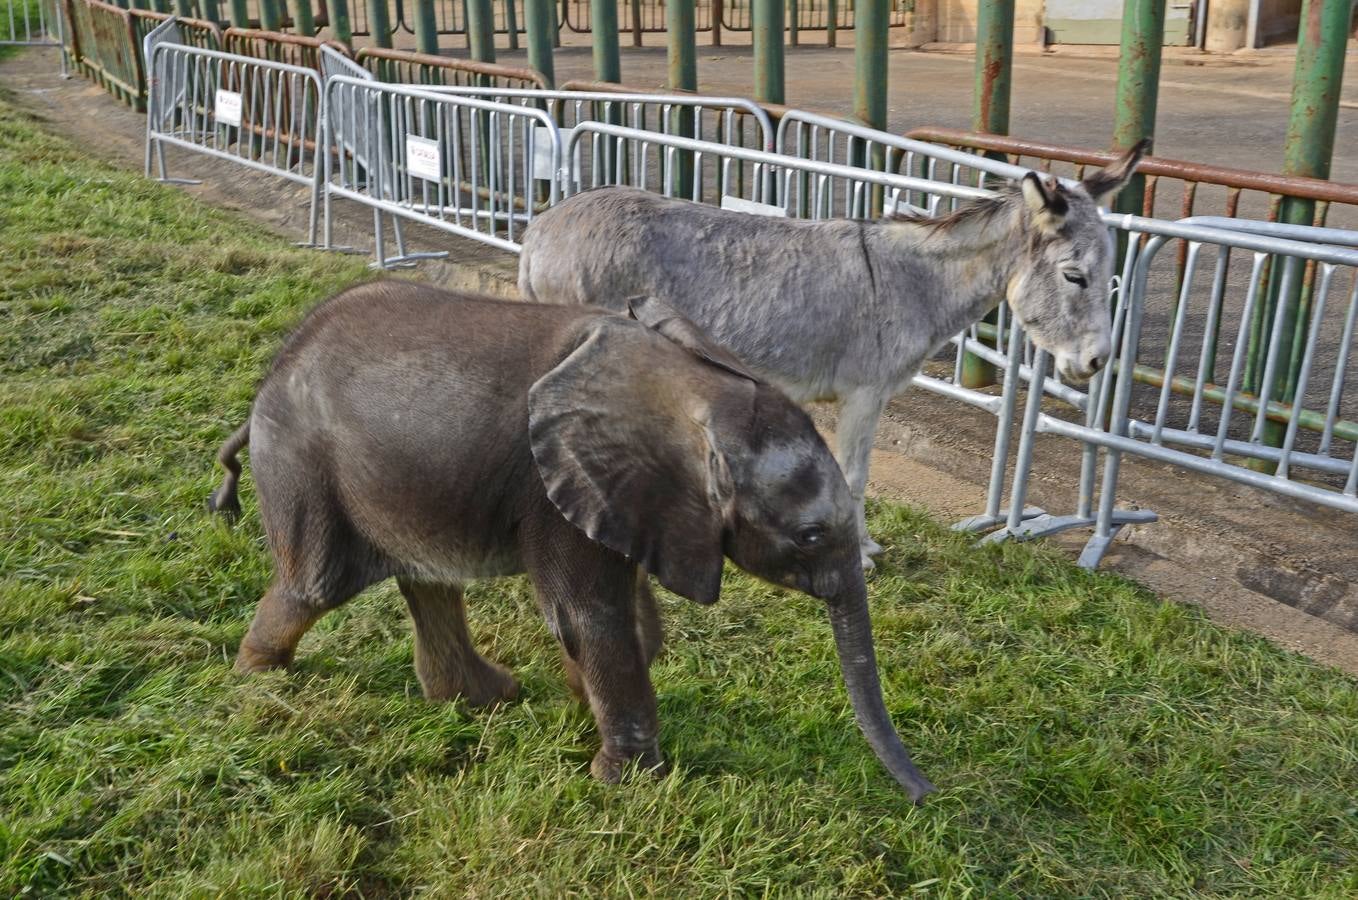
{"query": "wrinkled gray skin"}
(436, 438)
(841, 310)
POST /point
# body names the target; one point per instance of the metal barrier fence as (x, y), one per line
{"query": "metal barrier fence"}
(406, 67)
(459, 164)
(637, 17)
(31, 23)
(293, 49)
(260, 114)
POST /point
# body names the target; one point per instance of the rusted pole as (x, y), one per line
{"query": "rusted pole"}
(379, 23)
(270, 15)
(681, 41)
(768, 50)
(636, 23)
(1316, 82)
(540, 16)
(481, 30)
(603, 26)
(1143, 35)
(716, 22)
(340, 25)
(426, 28)
(303, 22)
(990, 113)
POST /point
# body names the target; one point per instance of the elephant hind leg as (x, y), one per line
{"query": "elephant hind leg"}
(281, 618)
(446, 661)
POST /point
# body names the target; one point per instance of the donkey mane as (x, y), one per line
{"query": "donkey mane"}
(978, 212)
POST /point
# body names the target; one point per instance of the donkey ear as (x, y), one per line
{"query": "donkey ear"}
(661, 317)
(621, 442)
(1106, 182)
(1046, 202)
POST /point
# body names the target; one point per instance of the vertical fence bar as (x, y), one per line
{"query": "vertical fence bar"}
(541, 22)
(240, 14)
(990, 113)
(768, 50)
(716, 22)
(603, 26)
(636, 23)
(339, 22)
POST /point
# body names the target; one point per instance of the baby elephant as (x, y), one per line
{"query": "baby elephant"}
(435, 437)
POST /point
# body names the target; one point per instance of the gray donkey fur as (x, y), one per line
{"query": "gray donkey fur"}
(842, 310)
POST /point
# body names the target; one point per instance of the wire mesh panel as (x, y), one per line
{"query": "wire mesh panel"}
(260, 114)
(467, 166)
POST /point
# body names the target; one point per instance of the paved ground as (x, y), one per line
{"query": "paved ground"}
(1253, 561)
(1229, 110)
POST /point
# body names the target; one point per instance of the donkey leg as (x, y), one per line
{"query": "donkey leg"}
(858, 415)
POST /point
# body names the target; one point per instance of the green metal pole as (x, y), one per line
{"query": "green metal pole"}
(426, 28)
(831, 23)
(870, 39)
(990, 113)
(1143, 34)
(340, 25)
(240, 14)
(603, 26)
(270, 15)
(541, 22)
(794, 24)
(184, 9)
(210, 10)
(303, 22)
(379, 23)
(768, 50)
(481, 30)
(512, 24)
(1318, 76)
(681, 41)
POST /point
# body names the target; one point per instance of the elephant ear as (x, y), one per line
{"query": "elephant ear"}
(621, 437)
(665, 319)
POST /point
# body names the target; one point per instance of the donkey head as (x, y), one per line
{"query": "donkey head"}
(1059, 290)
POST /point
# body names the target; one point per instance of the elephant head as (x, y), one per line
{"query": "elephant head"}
(676, 463)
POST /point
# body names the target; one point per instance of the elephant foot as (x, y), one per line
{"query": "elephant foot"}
(253, 659)
(488, 685)
(868, 548)
(610, 768)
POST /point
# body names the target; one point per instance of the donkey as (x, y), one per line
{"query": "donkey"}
(841, 310)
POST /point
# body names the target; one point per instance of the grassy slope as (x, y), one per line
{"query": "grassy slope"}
(1088, 739)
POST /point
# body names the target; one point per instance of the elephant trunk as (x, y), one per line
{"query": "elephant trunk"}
(858, 662)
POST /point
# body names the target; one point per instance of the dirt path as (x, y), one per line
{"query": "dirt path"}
(1249, 560)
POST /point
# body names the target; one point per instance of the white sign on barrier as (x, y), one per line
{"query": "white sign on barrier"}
(424, 159)
(227, 108)
(542, 153)
(740, 204)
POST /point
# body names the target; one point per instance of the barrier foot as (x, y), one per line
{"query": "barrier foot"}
(985, 523)
(1044, 526)
(407, 261)
(181, 181)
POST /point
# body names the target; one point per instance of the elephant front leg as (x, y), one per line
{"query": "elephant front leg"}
(858, 417)
(587, 594)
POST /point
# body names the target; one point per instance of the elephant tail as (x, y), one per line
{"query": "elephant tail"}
(223, 501)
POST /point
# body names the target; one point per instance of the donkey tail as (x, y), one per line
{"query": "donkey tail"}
(223, 501)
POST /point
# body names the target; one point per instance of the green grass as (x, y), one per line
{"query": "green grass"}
(1088, 739)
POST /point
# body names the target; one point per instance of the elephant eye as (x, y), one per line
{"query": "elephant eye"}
(811, 535)
(1076, 278)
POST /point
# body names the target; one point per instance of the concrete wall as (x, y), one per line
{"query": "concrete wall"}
(954, 21)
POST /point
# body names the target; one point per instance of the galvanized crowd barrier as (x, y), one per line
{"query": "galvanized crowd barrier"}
(343, 130)
(459, 164)
(255, 113)
(31, 23)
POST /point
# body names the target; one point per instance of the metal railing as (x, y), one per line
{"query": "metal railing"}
(260, 114)
(31, 23)
(459, 164)
(293, 49)
(407, 67)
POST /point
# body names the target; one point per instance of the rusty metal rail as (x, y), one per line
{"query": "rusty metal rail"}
(407, 67)
(275, 46)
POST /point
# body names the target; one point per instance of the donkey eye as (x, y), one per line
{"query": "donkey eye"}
(811, 536)
(1076, 278)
